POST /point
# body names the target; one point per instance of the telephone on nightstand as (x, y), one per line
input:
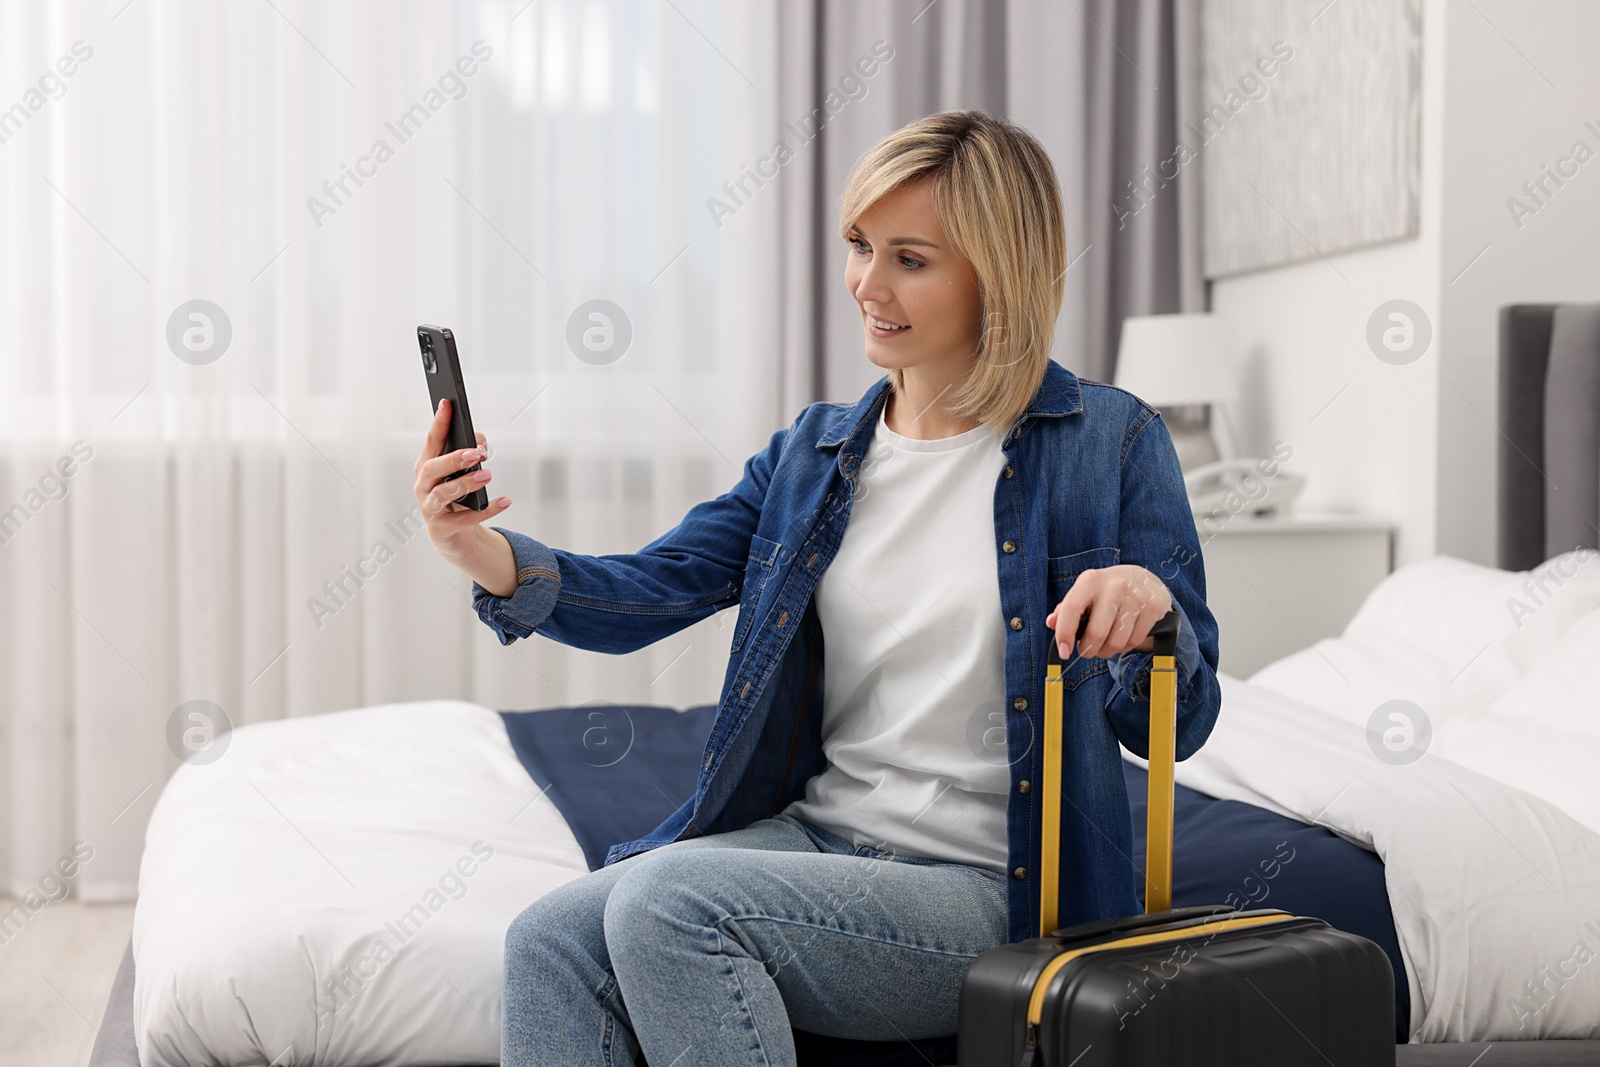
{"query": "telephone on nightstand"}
(1254, 486)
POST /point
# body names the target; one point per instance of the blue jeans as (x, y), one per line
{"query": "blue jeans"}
(699, 953)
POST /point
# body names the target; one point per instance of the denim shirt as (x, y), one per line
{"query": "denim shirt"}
(1091, 479)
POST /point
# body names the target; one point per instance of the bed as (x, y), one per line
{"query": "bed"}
(335, 891)
(330, 836)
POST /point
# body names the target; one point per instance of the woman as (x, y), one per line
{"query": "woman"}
(976, 501)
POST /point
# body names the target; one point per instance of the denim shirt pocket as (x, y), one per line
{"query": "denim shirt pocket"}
(1063, 572)
(758, 570)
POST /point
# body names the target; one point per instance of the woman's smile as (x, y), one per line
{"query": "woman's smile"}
(883, 327)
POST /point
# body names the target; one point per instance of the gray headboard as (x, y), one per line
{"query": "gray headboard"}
(1549, 476)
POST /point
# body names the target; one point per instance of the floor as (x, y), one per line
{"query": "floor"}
(55, 976)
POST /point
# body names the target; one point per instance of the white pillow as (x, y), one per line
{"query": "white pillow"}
(1550, 600)
(1444, 633)
(1453, 615)
(1349, 677)
(1541, 735)
(1559, 690)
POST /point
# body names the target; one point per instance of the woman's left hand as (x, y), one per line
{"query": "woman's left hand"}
(1123, 604)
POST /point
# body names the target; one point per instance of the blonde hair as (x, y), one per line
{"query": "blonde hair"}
(995, 193)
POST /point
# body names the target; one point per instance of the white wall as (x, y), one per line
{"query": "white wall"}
(1404, 441)
(1519, 92)
(1363, 431)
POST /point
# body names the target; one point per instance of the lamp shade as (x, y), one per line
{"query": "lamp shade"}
(1167, 360)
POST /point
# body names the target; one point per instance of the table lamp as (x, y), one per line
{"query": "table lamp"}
(1174, 361)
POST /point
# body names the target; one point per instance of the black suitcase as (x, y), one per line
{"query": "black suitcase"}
(1178, 987)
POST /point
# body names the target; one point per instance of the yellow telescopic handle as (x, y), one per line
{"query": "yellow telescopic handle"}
(1050, 795)
(1050, 834)
(1163, 757)
(1163, 745)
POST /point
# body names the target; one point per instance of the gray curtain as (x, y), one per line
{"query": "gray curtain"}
(1103, 84)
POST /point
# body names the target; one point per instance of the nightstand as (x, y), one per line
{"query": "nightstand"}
(1276, 585)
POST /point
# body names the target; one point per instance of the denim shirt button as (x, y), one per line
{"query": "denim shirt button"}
(1016, 623)
(1021, 703)
(1009, 546)
(1023, 786)
(1020, 873)
(1009, 471)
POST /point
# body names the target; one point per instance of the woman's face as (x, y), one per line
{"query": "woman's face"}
(903, 269)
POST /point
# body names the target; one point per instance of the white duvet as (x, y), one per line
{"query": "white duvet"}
(335, 889)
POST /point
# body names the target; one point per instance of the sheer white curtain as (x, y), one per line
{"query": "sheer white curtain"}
(178, 525)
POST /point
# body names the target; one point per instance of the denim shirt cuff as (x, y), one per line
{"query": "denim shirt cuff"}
(538, 584)
(1131, 670)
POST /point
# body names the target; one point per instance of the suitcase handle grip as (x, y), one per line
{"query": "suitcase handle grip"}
(1086, 931)
(1165, 632)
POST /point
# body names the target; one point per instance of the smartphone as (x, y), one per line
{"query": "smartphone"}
(439, 359)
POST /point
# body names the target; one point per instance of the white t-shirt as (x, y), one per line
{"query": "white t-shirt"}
(913, 722)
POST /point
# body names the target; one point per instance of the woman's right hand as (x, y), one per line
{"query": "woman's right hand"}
(453, 528)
